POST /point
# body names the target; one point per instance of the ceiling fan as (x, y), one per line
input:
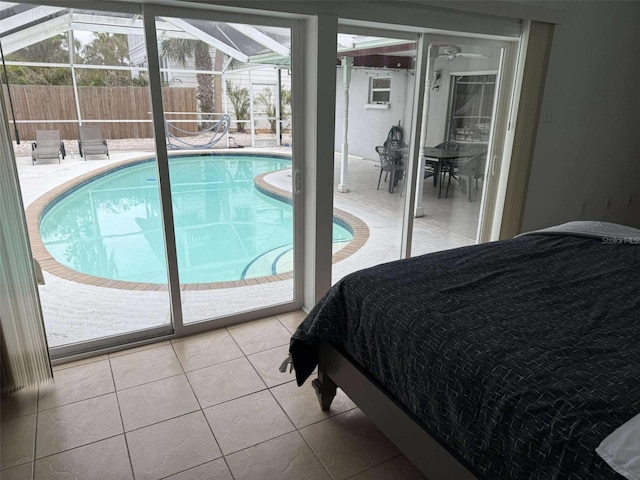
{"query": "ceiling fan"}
(450, 52)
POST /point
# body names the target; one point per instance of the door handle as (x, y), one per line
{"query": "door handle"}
(297, 181)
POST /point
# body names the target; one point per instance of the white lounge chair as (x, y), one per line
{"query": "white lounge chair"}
(92, 143)
(47, 145)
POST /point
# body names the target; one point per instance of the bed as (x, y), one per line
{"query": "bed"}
(506, 360)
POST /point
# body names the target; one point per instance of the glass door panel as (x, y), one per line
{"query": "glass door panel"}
(94, 220)
(460, 104)
(227, 86)
(375, 79)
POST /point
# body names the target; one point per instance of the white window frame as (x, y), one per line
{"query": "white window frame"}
(373, 90)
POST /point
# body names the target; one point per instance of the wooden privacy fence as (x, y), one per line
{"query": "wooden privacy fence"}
(130, 105)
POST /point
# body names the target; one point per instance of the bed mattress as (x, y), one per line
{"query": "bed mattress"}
(519, 356)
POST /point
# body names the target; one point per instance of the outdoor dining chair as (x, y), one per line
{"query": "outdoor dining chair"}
(472, 168)
(92, 143)
(47, 145)
(390, 163)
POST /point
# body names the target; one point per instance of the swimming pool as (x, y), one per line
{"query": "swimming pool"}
(226, 228)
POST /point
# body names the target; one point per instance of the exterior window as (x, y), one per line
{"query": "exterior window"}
(471, 109)
(380, 90)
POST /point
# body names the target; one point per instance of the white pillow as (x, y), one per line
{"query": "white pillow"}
(621, 449)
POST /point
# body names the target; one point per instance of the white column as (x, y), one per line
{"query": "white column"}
(279, 108)
(72, 62)
(224, 102)
(432, 54)
(253, 130)
(343, 186)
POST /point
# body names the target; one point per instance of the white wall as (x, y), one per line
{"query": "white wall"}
(369, 127)
(586, 163)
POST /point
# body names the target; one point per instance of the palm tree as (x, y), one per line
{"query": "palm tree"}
(264, 98)
(182, 49)
(55, 50)
(239, 98)
(106, 49)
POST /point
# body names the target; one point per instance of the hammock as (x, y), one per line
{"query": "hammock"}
(218, 131)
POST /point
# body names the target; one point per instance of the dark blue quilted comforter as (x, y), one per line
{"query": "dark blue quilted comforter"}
(520, 356)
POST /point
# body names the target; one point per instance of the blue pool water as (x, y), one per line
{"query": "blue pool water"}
(111, 226)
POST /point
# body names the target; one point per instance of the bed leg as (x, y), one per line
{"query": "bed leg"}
(325, 390)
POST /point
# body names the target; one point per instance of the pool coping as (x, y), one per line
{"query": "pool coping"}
(35, 210)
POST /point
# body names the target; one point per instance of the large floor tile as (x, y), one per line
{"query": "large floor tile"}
(348, 443)
(206, 349)
(283, 458)
(145, 366)
(268, 363)
(77, 424)
(216, 470)
(18, 403)
(17, 440)
(104, 460)
(260, 335)
(76, 384)
(301, 403)
(172, 446)
(156, 401)
(291, 320)
(247, 421)
(224, 382)
(398, 469)
(22, 472)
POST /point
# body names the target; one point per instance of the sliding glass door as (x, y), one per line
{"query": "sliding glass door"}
(81, 124)
(463, 122)
(452, 109)
(175, 203)
(190, 179)
(375, 85)
(226, 91)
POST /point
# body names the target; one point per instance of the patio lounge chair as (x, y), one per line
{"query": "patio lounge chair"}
(92, 143)
(47, 145)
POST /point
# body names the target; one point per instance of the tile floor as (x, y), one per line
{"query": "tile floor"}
(212, 406)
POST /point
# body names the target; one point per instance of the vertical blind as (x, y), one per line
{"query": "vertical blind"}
(23, 343)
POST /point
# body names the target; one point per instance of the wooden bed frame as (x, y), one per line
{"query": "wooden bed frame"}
(337, 370)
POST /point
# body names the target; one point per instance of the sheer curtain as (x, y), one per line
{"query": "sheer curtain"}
(23, 344)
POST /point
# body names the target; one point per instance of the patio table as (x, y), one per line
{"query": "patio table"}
(442, 159)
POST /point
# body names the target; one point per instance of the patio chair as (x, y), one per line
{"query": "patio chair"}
(389, 163)
(472, 168)
(47, 145)
(92, 143)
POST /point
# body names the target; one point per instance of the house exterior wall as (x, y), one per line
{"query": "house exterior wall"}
(369, 127)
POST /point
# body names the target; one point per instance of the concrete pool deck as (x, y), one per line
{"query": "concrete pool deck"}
(75, 312)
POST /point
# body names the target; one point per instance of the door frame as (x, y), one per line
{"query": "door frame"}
(316, 28)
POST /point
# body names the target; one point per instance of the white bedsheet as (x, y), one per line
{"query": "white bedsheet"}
(607, 232)
(621, 449)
